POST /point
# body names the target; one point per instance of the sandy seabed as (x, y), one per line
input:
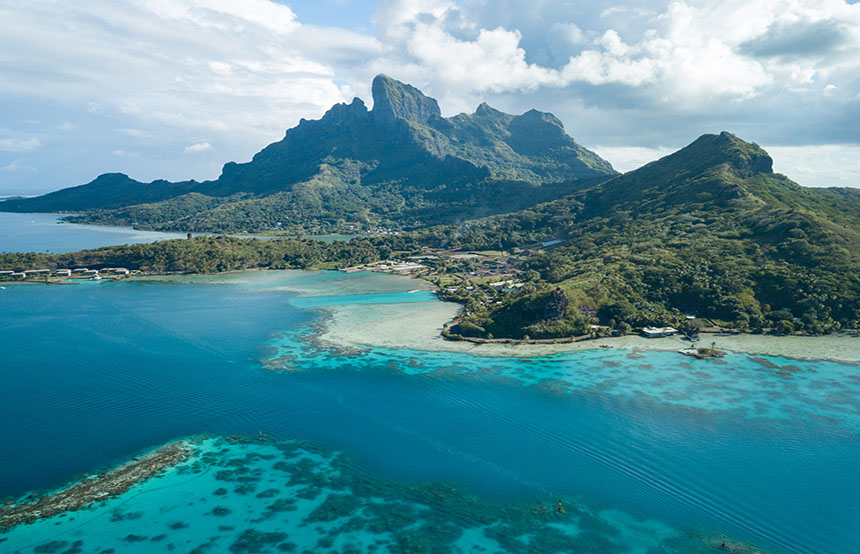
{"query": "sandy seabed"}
(418, 326)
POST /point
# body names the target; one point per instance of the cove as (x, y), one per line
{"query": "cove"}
(644, 449)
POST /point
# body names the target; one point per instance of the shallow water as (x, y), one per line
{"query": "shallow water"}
(661, 453)
(46, 233)
(35, 232)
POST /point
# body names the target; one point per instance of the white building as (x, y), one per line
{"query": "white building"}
(659, 331)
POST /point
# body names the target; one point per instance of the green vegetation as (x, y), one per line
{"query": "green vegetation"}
(708, 231)
(400, 166)
(209, 255)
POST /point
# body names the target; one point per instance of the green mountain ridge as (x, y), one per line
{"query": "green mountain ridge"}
(709, 230)
(400, 164)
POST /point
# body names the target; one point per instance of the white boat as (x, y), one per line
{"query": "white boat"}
(95, 278)
(416, 290)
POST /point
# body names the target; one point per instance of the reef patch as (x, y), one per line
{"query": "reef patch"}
(97, 488)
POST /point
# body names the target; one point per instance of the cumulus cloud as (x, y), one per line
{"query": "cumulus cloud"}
(683, 51)
(198, 148)
(155, 75)
(159, 59)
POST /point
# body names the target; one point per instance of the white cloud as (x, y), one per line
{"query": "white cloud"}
(274, 17)
(13, 144)
(198, 148)
(628, 158)
(238, 72)
(124, 154)
(823, 165)
(242, 63)
(688, 51)
(137, 133)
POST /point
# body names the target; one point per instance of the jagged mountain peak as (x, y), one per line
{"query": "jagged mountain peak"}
(393, 99)
(485, 109)
(400, 162)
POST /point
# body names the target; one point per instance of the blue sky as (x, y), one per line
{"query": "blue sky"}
(176, 88)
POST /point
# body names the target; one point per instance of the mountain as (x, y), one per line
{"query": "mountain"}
(400, 164)
(709, 230)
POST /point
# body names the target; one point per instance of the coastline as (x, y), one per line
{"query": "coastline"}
(81, 494)
(418, 326)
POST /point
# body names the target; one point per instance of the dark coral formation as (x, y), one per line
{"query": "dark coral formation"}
(95, 489)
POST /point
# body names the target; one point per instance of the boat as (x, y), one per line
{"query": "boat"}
(95, 278)
(416, 290)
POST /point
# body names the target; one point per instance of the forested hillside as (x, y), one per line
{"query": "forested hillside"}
(708, 231)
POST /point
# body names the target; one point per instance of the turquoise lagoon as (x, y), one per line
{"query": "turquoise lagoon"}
(384, 450)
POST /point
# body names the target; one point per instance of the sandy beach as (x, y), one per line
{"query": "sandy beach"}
(418, 326)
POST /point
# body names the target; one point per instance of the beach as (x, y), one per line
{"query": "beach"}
(418, 326)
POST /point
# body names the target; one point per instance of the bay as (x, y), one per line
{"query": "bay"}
(47, 233)
(646, 450)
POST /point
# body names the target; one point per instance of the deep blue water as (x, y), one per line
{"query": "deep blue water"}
(93, 373)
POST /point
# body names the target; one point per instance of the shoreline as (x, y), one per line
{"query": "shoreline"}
(80, 494)
(418, 326)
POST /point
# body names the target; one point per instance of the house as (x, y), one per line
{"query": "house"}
(31, 272)
(63, 272)
(80, 270)
(659, 331)
(406, 267)
(6, 272)
(115, 270)
(549, 243)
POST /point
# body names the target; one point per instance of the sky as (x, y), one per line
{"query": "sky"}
(176, 88)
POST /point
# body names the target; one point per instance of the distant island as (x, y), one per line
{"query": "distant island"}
(537, 237)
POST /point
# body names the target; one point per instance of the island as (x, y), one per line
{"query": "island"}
(534, 235)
